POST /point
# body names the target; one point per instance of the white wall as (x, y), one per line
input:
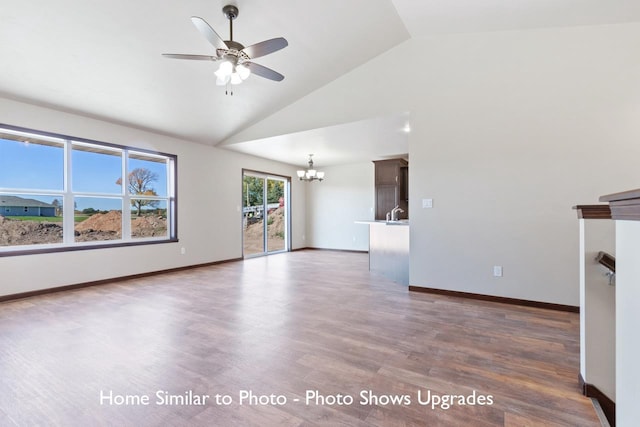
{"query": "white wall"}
(509, 130)
(346, 195)
(209, 196)
(516, 129)
(597, 307)
(627, 322)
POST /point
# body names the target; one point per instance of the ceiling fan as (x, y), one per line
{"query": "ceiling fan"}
(236, 60)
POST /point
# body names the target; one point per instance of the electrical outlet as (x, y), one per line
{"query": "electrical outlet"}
(427, 203)
(497, 271)
(183, 250)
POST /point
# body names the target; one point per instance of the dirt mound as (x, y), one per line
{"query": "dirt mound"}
(14, 232)
(148, 226)
(110, 222)
(98, 227)
(275, 226)
(253, 233)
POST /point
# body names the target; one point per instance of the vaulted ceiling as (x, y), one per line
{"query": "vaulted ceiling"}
(103, 59)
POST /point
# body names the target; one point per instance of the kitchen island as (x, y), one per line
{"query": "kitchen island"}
(389, 249)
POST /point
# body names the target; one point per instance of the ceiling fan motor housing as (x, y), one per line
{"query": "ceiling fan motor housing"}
(234, 45)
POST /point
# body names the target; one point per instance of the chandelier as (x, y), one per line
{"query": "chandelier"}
(310, 174)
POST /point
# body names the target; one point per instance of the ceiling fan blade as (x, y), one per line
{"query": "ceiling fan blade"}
(262, 71)
(266, 47)
(208, 33)
(195, 57)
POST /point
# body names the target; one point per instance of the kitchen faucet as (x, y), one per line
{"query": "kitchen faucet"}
(394, 212)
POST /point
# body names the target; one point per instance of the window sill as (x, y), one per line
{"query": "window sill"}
(80, 247)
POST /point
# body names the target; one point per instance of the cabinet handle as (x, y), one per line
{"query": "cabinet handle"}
(396, 179)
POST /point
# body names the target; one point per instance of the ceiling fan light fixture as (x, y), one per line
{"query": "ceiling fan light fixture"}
(243, 71)
(222, 81)
(225, 69)
(235, 79)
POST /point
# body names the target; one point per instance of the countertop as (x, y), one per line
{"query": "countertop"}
(383, 222)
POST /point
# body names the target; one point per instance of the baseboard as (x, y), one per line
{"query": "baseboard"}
(608, 406)
(38, 292)
(354, 251)
(492, 298)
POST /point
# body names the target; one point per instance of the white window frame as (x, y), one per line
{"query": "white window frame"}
(68, 196)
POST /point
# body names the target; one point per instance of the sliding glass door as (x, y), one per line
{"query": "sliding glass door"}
(265, 214)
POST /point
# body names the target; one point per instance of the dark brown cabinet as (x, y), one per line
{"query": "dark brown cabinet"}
(392, 187)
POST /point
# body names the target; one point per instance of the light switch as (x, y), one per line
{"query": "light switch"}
(427, 203)
(497, 271)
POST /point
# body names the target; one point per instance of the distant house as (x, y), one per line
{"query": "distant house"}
(18, 206)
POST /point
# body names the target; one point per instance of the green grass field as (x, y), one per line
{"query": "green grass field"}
(77, 218)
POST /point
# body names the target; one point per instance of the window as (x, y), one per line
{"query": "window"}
(60, 193)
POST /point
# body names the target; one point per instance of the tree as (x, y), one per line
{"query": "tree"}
(275, 190)
(139, 182)
(252, 191)
(58, 205)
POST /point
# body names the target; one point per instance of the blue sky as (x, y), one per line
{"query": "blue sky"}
(35, 166)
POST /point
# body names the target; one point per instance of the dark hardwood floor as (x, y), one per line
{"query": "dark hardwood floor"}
(287, 324)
